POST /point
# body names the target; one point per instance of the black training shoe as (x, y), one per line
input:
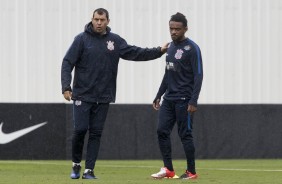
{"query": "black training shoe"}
(89, 175)
(75, 174)
(188, 176)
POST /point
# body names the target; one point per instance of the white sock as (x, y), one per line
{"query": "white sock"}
(73, 164)
(86, 170)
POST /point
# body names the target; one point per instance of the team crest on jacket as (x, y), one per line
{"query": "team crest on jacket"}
(110, 45)
(178, 54)
(187, 47)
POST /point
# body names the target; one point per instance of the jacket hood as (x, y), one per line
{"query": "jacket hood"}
(89, 29)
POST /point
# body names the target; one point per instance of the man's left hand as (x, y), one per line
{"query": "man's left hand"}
(191, 109)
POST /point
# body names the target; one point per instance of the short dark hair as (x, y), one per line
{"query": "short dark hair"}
(101, 11)
(179, 17)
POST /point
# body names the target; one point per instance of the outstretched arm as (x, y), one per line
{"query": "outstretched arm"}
(129, 52)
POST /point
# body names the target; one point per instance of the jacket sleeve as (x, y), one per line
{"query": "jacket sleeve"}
(197, 67)
(71, 58)
(129, 52)
(162, 88)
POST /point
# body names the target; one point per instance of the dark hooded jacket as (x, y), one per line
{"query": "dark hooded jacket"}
(95, 58)
(184, 73)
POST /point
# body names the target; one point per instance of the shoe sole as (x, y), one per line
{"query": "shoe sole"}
(190, 178)
(174, 177)
(75, 177)
(89, 178)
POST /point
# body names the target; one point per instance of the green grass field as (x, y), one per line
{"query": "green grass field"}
(138, 172)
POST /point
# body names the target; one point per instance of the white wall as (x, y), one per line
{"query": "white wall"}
(241, 45)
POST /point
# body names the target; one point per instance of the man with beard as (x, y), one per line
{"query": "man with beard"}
(181, 87)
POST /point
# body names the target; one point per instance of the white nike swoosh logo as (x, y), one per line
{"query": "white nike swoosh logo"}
(9, 137)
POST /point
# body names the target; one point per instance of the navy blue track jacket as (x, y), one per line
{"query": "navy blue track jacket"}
(184, 72)
(95, 58)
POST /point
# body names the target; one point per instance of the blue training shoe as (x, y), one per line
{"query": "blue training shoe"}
(89, 175)
(75, 174)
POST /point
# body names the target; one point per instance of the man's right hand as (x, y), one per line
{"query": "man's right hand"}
(156, 104)
(67, 95)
